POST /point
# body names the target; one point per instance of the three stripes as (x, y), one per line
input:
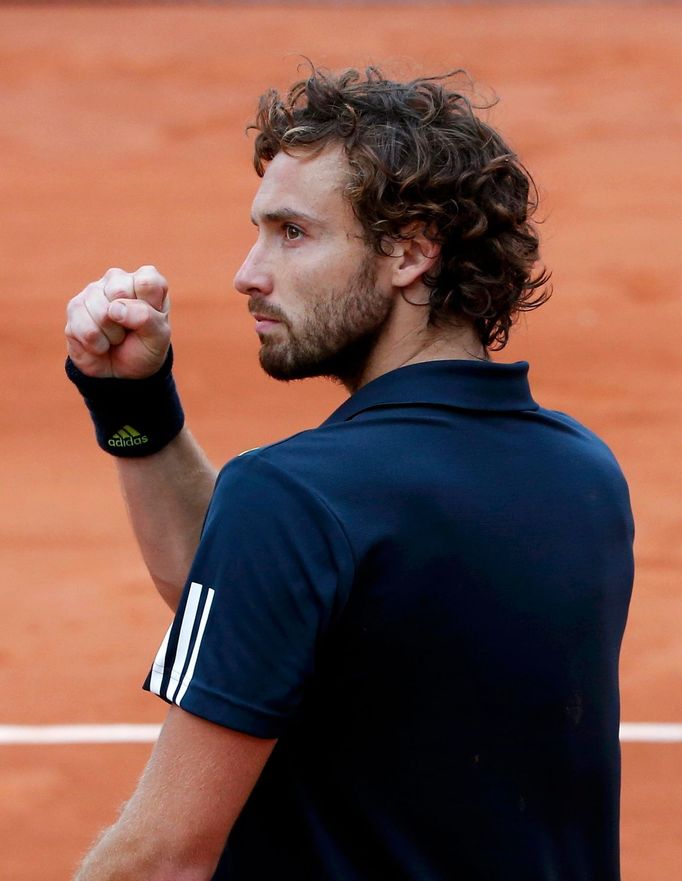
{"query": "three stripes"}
(126, 431)
(175, 661)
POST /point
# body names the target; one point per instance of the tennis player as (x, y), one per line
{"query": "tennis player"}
(394, 655)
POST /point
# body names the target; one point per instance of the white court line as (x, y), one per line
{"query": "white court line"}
(630, 732)
(650, 732)
(28, 734)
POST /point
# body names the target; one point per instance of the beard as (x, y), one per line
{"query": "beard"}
(336, 337)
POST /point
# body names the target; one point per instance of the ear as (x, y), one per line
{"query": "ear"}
(412, 258)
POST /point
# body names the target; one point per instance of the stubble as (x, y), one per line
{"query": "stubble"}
(338, 334)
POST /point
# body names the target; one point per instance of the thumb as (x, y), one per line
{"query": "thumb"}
(139, 316)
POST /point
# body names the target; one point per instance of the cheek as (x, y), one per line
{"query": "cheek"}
(319, 277)
(309, 277)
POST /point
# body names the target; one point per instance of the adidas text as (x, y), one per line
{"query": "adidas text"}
(128, 441)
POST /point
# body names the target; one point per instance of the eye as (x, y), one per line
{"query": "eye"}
(292, 233)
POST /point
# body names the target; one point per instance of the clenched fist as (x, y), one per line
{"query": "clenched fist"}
(118, 326)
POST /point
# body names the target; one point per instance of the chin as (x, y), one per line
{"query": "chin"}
(344, 365)
(285, 371)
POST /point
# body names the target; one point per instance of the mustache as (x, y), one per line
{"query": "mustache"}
(267, 310)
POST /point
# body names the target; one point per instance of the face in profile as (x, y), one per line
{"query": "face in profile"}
(318, 293)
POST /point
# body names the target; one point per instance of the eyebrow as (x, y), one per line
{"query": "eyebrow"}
(286, 213)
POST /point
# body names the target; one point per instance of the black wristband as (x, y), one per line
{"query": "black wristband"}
(132, 417)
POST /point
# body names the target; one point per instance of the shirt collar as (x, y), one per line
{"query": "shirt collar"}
(469, 385)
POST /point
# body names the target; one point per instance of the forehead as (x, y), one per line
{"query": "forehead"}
(311, 183)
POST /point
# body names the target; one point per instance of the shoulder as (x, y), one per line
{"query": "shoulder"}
(308, 462)
(289, 463)
(584, 460)
(572, 433)
(282, 487)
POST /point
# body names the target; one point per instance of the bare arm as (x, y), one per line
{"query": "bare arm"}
(167, 495)
(118, 327)
(177, 822)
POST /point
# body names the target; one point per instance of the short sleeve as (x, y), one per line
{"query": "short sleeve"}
(271, 575)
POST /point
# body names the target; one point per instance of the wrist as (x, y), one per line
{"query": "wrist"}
(132, 417)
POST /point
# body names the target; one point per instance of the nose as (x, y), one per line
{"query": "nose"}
(253, 276)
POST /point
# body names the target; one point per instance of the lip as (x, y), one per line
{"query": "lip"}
(263, 323)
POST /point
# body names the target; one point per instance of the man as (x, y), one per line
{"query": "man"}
(395, 652)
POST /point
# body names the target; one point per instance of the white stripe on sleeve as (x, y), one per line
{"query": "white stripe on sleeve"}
(188, 619)
(159, 664)
(195, 651)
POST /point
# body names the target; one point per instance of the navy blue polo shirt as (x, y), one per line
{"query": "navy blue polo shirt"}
(423, 599)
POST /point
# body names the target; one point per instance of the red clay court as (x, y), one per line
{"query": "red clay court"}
(122, 144)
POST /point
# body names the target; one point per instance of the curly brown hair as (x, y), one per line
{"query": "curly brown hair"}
(420, 159)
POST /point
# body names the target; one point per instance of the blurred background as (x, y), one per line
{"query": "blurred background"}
(122, 143)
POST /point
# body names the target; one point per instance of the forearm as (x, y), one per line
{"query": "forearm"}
(112, 858)
(118, 340)
(175, 825)
(123, 854)
(167, 495)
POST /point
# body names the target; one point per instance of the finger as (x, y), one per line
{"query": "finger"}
(149, 324)
(76, 352)
(116, 284)
(97, 305)
(92, 365)
(151, 286)
(74, 349)
(85, 332)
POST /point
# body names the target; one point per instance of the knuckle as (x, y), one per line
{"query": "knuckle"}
(91, 335)
(78, 300)
(118, 274)
(89, 294)
(76, 325)
(149, 276)
(146, 281)
(119, 286)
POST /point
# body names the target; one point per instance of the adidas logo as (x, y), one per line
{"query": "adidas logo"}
(127, 437)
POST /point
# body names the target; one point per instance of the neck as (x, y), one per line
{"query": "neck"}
(407, 338)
